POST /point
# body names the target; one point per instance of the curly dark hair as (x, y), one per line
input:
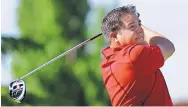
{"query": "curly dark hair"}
(113, 21)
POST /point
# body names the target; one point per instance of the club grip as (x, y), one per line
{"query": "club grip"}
(95, 36)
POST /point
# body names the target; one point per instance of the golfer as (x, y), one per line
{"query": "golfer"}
(132, 61)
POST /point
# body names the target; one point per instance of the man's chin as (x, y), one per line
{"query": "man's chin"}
(141, 41)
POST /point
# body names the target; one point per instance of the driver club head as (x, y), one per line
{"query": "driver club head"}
(17, 90)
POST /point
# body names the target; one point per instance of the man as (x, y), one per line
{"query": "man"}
(130, 68)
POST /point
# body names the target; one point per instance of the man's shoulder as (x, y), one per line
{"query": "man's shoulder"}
(134, 47)
(134, 52)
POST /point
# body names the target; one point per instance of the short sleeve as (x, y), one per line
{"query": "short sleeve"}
(146, 58)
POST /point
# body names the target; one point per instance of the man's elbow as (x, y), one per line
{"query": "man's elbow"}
(166, 46)
(167, 49)
(172, 49)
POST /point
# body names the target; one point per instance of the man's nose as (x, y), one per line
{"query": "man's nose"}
(139, 30)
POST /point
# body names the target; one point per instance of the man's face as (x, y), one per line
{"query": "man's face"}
(132, 33)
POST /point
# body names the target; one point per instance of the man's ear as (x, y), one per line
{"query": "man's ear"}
(112, 35)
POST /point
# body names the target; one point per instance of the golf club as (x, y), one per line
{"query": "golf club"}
(17, 88)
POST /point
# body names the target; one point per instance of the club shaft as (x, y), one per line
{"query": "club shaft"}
(61, 55)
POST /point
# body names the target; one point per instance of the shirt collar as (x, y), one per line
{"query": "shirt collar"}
(107, 52)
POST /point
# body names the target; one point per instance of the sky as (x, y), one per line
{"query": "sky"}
(168, 17)
(8, 17)
(8, 26)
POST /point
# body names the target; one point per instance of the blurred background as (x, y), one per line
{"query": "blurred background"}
(35, 31)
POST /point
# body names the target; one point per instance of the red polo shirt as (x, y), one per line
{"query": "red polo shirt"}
(132, 77)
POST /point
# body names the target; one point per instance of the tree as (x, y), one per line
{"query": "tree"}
(52, 27)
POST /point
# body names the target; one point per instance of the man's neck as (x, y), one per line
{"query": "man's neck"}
(114, 45)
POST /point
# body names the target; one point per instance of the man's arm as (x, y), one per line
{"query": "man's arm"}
(154, 38)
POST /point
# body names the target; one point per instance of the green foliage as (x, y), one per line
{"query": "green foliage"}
(10, 43)
(56, 26)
